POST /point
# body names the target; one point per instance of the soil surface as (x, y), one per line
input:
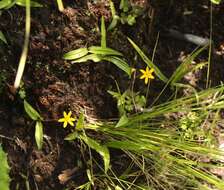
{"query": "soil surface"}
(53, 85)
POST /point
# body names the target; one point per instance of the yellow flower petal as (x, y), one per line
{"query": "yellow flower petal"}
(142, 77)
(64, 114)
(143, 71)
(65, 124)
(71, 123)
(147, 69)
(146, 80)
(61, 120)
(69, 114)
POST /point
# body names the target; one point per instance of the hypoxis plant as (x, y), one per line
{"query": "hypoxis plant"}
(78, 133)
(99, 54)
(35, 116)
(162, 158)
(128, 14)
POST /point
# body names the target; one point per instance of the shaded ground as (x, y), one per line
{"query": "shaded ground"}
(54, 85)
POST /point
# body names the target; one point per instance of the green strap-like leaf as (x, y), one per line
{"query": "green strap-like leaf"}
(71, 136)
(103, 34)
(32, 3)
(4, 171)
(102, 150)
(75, 54)
(216, 1)
(103, 51)
(149, 62)
(5, 3)
(2, 37)
(120, 63)
(80, 122)
(123, 121)
(185, 67)
(92, 57)
(33, 114)
(39, 134)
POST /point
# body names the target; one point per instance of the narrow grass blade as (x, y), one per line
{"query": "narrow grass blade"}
(148, 62)
(39, 134)
(103, 34)
(2, 37)
(120, 63)
(102, 150)
(23, 57)
(185, 67)
(103, 51)
(75, 54)
(4, 171)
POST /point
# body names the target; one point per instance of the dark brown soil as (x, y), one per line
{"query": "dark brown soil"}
(53, 85)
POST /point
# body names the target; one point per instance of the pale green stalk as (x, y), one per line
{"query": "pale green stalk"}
(60, 5)
(23, 57)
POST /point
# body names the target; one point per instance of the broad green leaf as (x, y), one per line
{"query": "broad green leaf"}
(71, 136)
(103, 51)
(80, 122)
(120, 63)
(101, 149)
(75, 54)
(148, 62)
(32, 3)
(103, 34)
(123, 121)
(4, 171)
(216, 1)
(185, 67)
(33, 114)
(92, 57)
(2, 37)
(5, 3)
(39, 134)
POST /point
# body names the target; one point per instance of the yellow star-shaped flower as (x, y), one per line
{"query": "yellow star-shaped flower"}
(67, 119)
(147, 74)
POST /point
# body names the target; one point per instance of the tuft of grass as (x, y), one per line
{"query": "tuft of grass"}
(161, 157)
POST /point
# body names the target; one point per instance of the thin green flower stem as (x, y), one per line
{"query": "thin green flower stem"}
(60, 5)
(23, 57)
(153, 56)
(210, 46)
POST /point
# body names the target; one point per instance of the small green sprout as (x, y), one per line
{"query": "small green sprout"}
(67, 119)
